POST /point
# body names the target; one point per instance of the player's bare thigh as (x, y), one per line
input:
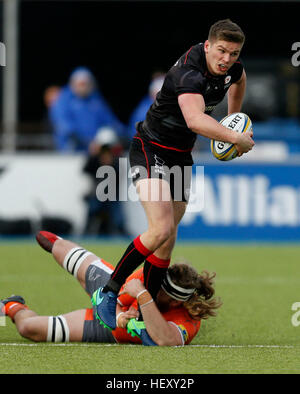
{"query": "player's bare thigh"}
(75, 322)
(155, 197)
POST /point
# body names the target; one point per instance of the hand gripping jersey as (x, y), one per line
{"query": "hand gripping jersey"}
(164, 124)
(187, 326)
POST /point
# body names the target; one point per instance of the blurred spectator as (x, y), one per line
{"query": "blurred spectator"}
(140, 111)
(50, 96)
(79, 112)
(103, 217)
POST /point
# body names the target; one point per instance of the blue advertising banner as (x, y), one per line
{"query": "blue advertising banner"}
(245, 202)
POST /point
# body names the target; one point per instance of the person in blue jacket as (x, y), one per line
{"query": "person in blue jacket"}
(79, 112)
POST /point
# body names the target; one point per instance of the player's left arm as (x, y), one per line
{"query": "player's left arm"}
(236, 94)
(162, 332)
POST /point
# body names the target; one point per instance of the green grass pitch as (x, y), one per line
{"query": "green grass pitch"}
(253, 332)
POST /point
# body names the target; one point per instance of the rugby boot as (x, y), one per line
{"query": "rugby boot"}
(46, 240)
(11, 305)
(138, 329)
(106, 304)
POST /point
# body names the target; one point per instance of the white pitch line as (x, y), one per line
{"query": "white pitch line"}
(246, 346)
(114, 344)
(57, 344)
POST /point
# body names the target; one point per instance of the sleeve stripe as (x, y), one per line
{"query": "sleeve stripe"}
(186, 56)
(119, 302)
(178, 330)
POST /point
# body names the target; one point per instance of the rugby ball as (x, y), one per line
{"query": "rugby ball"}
(238, 122)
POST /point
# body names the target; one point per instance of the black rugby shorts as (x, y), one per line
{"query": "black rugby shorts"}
(148, 160)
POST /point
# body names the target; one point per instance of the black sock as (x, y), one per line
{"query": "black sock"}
(134, 255)
(153, 277)
(154, 272)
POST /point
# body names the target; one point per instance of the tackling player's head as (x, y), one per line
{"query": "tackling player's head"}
(182, 285)
(223, 46)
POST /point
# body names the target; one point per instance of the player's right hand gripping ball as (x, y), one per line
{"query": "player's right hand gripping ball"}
(238, 122)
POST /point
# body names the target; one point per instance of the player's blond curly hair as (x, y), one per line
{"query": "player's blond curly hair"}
(201, 305)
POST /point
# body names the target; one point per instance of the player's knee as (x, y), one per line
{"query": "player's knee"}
(28, 329)
(163, 231)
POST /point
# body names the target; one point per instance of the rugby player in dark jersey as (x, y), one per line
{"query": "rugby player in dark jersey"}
(196, 83)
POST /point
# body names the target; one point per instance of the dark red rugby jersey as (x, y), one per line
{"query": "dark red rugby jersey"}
(164, 123)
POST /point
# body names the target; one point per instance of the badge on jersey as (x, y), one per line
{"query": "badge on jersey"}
(227, 80)
(184, 332)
